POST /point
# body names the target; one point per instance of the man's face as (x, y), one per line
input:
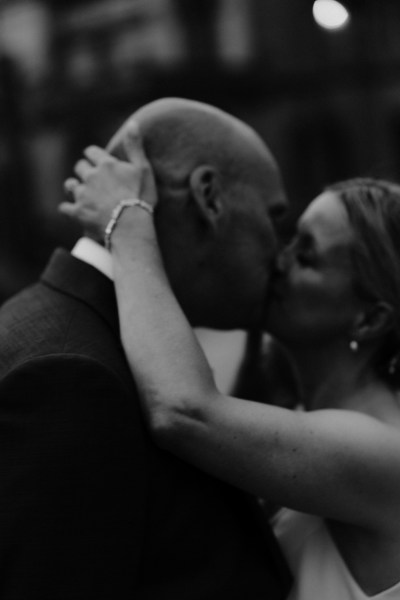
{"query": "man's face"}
(219, 268)
(247, 249)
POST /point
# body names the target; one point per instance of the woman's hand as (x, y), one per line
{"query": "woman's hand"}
(102, 181)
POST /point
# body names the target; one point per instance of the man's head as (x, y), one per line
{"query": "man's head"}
(219, 189)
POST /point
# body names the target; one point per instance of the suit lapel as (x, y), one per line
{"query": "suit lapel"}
(77, 279)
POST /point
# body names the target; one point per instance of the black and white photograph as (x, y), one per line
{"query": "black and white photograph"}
(199, 299)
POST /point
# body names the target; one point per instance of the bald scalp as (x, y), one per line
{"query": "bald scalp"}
(179, 135)
(217, 183)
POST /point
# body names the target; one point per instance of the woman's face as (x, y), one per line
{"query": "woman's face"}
(312, 296)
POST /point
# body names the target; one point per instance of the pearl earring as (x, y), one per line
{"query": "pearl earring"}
(354, 346)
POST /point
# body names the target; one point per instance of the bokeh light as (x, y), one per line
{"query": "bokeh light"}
(330, 14)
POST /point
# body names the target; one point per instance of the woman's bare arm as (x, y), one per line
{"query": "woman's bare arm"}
(337, 464)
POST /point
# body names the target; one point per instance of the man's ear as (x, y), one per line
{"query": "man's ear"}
(205, 187)
(373, 322)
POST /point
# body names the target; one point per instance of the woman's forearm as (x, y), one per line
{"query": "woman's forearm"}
(323, 462)
(339, 464)
(170, 369)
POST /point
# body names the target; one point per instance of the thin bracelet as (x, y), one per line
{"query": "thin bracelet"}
(116, 213)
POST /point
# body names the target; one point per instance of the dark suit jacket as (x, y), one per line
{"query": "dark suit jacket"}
(90, 508)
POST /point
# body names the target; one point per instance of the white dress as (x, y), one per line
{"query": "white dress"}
(318, 569)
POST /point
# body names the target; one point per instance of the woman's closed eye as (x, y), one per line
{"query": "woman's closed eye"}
(299, 251)
(303, 250)
(305, 257)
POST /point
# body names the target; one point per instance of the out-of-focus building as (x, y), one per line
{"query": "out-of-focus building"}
(327, 102)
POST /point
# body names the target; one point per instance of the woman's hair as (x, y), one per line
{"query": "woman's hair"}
(373, 207)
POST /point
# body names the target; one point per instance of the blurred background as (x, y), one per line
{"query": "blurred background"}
(320, 81)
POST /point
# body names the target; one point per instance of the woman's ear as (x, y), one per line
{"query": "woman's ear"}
(205, 187)
(373, 322)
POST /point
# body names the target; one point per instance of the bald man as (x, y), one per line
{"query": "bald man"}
(89, 507)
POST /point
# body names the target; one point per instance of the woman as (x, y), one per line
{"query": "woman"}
(335, 303)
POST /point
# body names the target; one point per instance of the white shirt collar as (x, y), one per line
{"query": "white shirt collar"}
(95, 255)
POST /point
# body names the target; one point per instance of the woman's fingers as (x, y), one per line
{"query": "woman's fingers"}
(83, 169)
(101, 181)
(68, 209)
(70, 185)
(133, 144)
(96, 155)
